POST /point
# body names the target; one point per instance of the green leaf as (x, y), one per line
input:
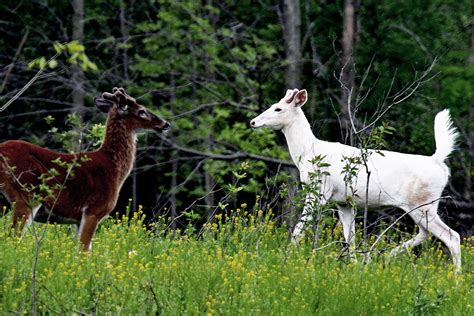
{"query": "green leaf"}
(42, 63)
(49, 119)
(58, 47)
(75, 47)
(53, 63)
(32, 64)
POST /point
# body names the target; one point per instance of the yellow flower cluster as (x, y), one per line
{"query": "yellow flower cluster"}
(241, 263)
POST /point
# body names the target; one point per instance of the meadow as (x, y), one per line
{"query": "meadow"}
(241, 263)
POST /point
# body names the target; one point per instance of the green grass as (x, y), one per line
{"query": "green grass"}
(245, 266)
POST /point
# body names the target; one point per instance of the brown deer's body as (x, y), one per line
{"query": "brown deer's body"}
(90, 192)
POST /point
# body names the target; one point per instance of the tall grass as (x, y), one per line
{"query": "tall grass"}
(241, 264)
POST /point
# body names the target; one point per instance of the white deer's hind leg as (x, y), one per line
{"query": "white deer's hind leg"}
(408, 245)
(347, 219)
(449, 237)
(430, 222)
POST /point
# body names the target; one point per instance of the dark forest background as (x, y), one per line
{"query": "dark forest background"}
(210, 66)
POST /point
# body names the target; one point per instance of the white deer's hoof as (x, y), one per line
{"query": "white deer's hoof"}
(296, 240)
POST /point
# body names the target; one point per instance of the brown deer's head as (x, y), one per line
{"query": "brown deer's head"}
(135, 114)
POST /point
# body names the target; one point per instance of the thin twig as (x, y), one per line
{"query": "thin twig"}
(35, 77)
(403, 215)
(12, 64)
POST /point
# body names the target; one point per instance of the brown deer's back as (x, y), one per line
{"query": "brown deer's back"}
(73, 181)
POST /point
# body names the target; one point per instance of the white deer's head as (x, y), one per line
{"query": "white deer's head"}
(282, 113)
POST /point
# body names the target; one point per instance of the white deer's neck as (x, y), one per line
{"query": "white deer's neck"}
(302, 143)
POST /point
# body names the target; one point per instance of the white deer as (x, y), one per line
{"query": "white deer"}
(413, 183)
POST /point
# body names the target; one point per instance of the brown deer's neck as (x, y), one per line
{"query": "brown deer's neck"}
(119, 144)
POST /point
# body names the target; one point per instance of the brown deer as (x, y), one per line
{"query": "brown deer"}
(79, 188)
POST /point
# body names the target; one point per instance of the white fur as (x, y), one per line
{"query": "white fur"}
(445, 135)
(413, 183)
(81, 225)
(81, 228)
(34, 210)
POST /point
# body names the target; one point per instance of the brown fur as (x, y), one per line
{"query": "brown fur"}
(418, 193)
(94, 186)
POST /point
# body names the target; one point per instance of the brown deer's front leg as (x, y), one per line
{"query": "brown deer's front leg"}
(21, 216)
(87, 229)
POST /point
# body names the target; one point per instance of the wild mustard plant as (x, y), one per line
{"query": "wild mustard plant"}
(241, 264)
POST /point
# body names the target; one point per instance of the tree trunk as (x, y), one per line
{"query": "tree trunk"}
(292, 35)
(209, 183)
(471, 55)
(77, 72)
(174, 166)
(318, 68)
(125, 36)
(125, 75)
(347, 78)
(470, 129)
(174, 182)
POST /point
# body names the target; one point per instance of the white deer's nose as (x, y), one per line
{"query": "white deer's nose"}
(252, 123)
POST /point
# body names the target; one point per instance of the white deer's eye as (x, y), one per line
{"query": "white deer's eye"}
(142, 114)
(277, 110)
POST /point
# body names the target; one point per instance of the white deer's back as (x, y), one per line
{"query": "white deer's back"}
(393, 175)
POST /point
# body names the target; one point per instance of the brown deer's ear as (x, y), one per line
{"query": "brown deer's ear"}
(121, 100)
(103, 104)
(108, 96)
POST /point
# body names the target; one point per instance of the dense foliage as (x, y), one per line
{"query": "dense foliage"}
(244, 265)
(210, 66)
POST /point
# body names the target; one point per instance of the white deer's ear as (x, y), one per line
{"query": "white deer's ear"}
(290, 95)
(301, 97)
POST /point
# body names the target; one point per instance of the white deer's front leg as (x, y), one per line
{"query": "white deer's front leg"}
(311, 205)
(347, 219)
(307, 216)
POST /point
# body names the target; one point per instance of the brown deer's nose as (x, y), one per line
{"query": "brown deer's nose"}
(162, 126)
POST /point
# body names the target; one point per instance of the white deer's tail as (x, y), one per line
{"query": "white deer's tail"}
(445, 136)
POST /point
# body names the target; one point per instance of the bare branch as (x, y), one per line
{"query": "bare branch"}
(234, 156)
(12, 64)
(402, 216)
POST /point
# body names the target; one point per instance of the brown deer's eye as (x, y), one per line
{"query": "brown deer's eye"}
(142, 114)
